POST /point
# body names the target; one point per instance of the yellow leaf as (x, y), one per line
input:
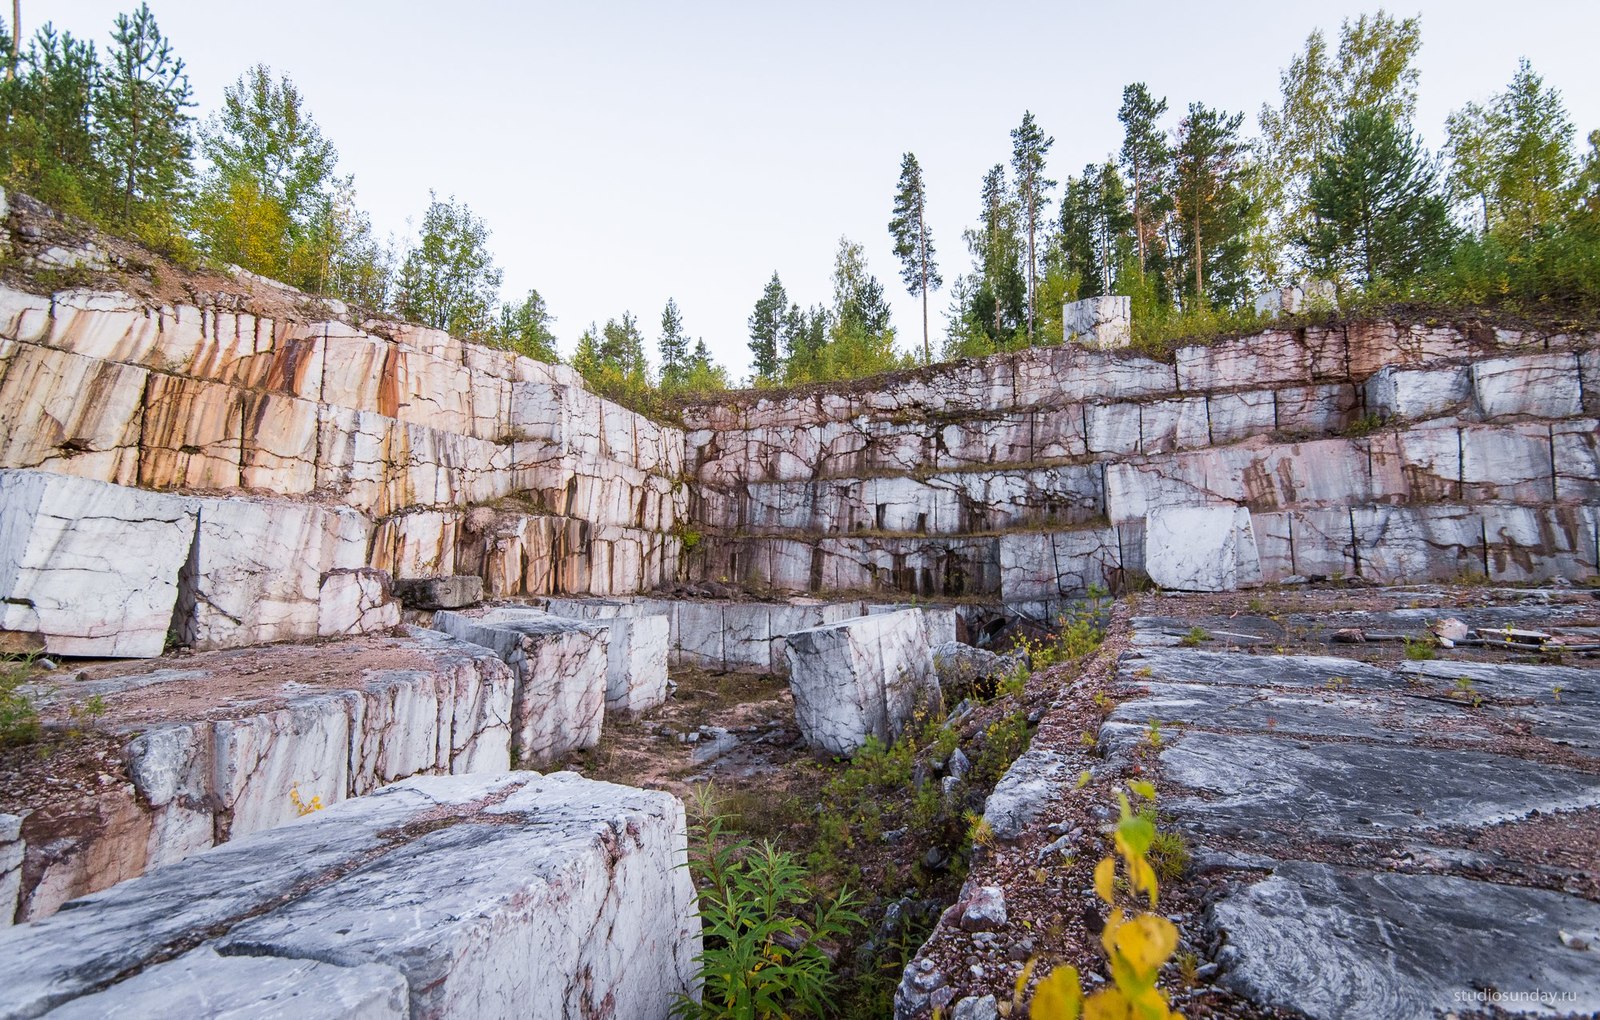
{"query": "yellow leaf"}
(1105, 874)
(1059, 996)
(1083, 779)
(1143, 788)
(1108, 1004)
(1138, 947)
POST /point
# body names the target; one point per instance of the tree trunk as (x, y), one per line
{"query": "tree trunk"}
(1199, 259)
(922, 249)
(16, 37)
(1031, 214)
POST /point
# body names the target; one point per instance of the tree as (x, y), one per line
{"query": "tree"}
(857, 294)
(1515, 157)
(622, 348)
(47, 137)
(703, 374)
(998, 296)
(673, 345)
(1029, 146)
(766, 328)
(268, 199)
(449, 280)
(524, 327)
(1144, 159)
(1373, 68)
(913, 241)
(144, 133)
(1378, 212)
(1212, 206)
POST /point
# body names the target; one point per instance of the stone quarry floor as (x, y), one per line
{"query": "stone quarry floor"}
(1371, 829)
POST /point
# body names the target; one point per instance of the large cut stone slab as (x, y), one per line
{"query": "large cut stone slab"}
(636, 658)
(1102, 322)
(89, 568)
(1197, 548)
(561, 667)
(860, 678)
(1261, 784)
(1345, 944)
(223, 747)
(203, 984)
(494, 896)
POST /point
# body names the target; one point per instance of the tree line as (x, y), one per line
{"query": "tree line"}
(1190, 217)
(1191, 221)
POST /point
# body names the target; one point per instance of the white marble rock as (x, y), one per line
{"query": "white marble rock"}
(859, 678)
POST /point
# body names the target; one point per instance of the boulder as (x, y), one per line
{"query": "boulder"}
(596, 917)
(355, 601)
(860, 678)
(455, 591)
(89, 568)
(561, 668)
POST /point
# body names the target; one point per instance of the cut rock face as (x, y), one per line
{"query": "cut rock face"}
(408, 889)
(860, 678)
(225, 747)
(561, 668)
(1197, 548)
(89, 568)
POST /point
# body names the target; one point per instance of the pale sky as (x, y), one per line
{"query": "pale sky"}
(622, 153)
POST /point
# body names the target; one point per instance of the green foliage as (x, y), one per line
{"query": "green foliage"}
(144, 131)
(524, 327)
(448, 279)
(913, 240)
(1213, 212)
(1378, 214)
(673, 346)
(764, 928)
(766, 327)
(612, 361)
(48, 145)
(1196, 636)
(1029, 147)
(1420, 649)
(19, 717)
(1145, 160)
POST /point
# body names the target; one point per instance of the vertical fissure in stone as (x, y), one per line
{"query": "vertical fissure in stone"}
(1210, 438)
(1483, 543)
(1294, 563)
(1355, 547)
(184, 628)
(1555, 484)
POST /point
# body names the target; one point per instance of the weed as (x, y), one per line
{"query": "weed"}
(1467, 691)
(19, 717)
(1152, 733)
(1365, 425)
(979, 831)
(301, 807)
(1194, 638)
(1555, 692)
(1256, 605)
(760, 958)
(1137, 943)
(1420, 649)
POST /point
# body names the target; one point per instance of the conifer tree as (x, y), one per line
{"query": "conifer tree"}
(524, 327)
(1029, 146)
(1379, 214)
(913, 241)
(998, 296)
(1212, 206)
(673, 346)
(766, 329)
(1145, 160)
(144, 130)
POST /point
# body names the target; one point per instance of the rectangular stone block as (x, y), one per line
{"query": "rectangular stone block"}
(1103, 322)
(561, 667)
(860, 678)
(1200, 549)
(1539, 385)
(69, 414)
(1416, 394)
(89, 568)
(412, 879)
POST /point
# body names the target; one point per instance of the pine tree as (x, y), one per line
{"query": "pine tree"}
(1145, 160)
(47, 141)
(524, 327)
(449, 280)
(913, 241)
(1379, 214)
(1077, 238)
(857, 294)
(1212, 205)
(1373, 68)
(144, 131)
(999, 294)
(1029, 146)
(766, 329)
(622, 349)
(673, 346)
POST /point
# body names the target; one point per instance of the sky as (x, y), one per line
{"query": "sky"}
(623, 153)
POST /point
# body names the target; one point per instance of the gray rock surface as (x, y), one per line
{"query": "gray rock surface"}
(1027, 790)
(201, 983)
(1338, 943)
(598, 915)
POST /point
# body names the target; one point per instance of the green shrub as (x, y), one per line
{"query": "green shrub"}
(764, 930)
(19, 718)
